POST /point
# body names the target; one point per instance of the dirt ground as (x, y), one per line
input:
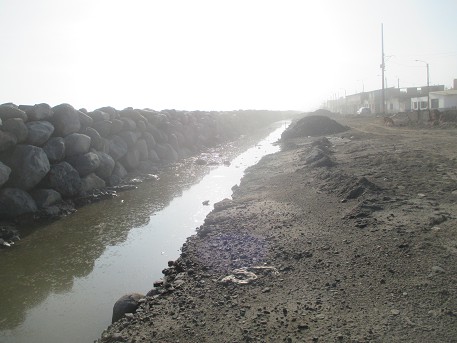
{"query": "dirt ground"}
(360, 246)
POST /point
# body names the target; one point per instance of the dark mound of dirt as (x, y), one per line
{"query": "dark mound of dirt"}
(313, 125)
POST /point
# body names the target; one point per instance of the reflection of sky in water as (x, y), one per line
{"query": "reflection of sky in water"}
(80, 304)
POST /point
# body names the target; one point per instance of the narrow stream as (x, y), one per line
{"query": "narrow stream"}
(60, 282)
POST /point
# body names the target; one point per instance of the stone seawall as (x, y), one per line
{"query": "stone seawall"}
(50, 154)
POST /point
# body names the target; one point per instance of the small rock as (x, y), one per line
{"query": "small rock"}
(395, 312)
(438, 270)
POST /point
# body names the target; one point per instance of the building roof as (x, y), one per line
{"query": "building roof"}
(447, 92)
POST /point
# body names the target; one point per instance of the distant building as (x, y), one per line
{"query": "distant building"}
(396, 100)
(443, 100)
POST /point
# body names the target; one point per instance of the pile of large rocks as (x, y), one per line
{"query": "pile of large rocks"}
(52, 153)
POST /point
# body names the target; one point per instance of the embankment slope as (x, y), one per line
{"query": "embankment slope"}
(361, 249)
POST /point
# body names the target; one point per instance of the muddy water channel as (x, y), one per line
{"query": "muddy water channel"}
(59, 283)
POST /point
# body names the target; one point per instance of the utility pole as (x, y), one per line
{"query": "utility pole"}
(383, 67)
(428, 86)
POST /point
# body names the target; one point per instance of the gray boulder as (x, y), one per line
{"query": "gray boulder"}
(7, 140)
(29, 165)
(166, 152)
(76, 144)
(5, 172)
(142, 148)
(128, 303)
(173, 141)
(117, 147)
(159, 136)
(117, 126)
(96, 141)
(55, 149)
(153, 156)
(84, 119)
(106, 167)
(118, 174)
(147, 167)
(105, 145)
(131, 114)
(15, 202)
(84, 164)
(131, 159)
(130, 137)
(99, 115)
(111, 111)
(91, 182)
(103, 127)
(17, 127)
(45, 197)
(39, 132)
(8, 111)
(39, 112)
(129, 124)
(65, 120)
(150, 141)
(141, 125)
(64, 179)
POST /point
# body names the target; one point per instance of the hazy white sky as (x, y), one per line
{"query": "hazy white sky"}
(218, 54)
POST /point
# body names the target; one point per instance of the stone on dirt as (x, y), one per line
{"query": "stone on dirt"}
(126, 304)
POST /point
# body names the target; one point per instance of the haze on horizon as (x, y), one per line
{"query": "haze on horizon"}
(218, 55)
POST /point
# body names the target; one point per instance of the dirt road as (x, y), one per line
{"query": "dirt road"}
(361, 248)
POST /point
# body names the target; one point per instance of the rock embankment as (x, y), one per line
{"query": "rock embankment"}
(51, 154)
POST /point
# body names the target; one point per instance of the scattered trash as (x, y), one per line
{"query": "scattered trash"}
(243, 276)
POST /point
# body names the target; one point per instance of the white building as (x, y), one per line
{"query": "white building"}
(443, 100)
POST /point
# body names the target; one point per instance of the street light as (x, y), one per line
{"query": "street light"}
(428, 87)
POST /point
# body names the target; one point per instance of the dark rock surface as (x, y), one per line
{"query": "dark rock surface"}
(17, 127)
(64, 179)
(8, 111)
(126, 304)
(76, 144)
(39, 132)
(55, 149)
(45, 197)
(15, 202)
(5, 172)
(85, 163)
(29, 165)
(65, 120)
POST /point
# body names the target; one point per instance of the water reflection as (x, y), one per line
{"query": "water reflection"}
(50, 258)
(60, 282)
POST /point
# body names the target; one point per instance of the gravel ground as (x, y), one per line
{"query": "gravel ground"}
(348, 238)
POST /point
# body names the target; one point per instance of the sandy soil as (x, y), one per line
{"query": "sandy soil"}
(359, 249)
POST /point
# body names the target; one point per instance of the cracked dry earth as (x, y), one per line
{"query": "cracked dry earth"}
(363, 249)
